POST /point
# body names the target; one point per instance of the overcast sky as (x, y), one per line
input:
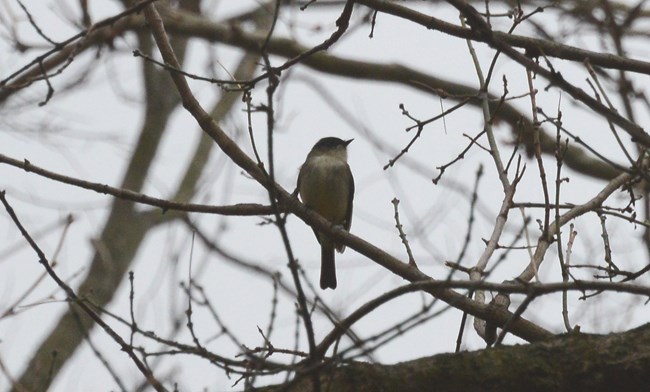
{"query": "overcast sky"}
(89, 132)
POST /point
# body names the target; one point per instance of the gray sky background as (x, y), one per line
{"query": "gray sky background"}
(89, 132)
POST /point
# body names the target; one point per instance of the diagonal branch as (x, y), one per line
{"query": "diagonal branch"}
(520, 327)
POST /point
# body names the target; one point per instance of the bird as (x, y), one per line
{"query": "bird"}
(326, 185)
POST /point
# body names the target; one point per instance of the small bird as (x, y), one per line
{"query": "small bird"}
(326, 185)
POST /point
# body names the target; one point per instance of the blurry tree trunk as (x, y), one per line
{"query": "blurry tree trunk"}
(120, 238)
(125, 227)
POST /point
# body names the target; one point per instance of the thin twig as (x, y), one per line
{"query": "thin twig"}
(75, 299)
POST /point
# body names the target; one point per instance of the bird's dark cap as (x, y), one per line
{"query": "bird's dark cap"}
(331, 142)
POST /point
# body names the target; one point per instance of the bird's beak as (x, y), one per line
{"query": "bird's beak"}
(348, 142)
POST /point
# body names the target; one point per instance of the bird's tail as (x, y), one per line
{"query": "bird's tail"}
(327, 267)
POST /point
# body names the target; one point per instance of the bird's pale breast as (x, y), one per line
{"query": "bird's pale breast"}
(323, 190)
